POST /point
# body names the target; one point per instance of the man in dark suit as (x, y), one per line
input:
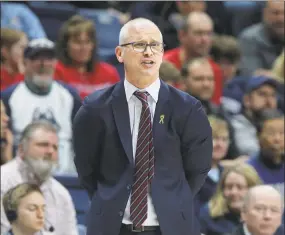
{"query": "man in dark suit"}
(262, 212)
(142, 148)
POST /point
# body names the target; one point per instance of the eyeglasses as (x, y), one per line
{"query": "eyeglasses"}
(156, 47)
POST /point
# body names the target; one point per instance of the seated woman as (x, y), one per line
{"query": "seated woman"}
(13, 44)
(222, 213)
(78, 65)
(24, 206)
(221, 141)
(6, 141)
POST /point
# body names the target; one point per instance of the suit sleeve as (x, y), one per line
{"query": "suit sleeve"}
(86, 143)
(197, 147)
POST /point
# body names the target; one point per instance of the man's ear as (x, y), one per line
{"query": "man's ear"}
(119, 52)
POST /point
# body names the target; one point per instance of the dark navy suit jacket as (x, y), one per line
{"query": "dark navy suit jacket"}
(105, 165)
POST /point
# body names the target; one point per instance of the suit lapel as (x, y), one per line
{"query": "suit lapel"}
(122, 119)
(162, 114)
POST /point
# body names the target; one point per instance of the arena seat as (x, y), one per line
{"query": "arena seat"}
(52, 15)
(107, 30)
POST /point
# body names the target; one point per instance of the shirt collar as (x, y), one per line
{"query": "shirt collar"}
(153, 89)
(245, 229)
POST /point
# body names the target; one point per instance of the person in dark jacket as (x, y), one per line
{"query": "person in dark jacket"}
(222, 213)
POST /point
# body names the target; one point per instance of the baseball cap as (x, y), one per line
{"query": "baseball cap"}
(256, 82)
(40, 46)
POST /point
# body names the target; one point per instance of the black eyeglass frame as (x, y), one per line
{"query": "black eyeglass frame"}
(147, 45)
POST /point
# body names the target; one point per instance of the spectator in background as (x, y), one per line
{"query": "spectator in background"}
(184, 9)
(13, 44)
(78, 64)
(35, 162)
(6, 137)
(260, 95)
(199, 81)
(24, 206)
(222, 213)
(40, 97)
(221, 140)
(226, 53)
(196, 41)
(169, 73)
(261, 212)
(20, 17)
(269, 162)
(262, 43)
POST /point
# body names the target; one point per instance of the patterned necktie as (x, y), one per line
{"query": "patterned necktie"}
(144, 161)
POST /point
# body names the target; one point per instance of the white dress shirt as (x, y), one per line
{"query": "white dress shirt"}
(135, 107)
(60, 211)
(245, 229)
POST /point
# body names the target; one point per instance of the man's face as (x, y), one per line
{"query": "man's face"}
(274, 17)
(200, 81)
(263, 214)
(41, 152)
(198, 38)
(272, 136)
(260, 99)
(142, 64)
(40, 69)
(31, 213)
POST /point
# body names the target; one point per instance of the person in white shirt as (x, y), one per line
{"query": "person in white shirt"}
(37, 157)
(40, 97)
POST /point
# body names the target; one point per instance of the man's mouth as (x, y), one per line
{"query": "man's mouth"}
(148, 62)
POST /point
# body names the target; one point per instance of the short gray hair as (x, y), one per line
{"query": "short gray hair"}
(33, 126)
(268, 188)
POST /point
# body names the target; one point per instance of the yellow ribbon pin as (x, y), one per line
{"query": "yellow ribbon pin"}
(161, 121)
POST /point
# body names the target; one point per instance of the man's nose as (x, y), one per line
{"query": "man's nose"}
(267, 214)
(148, 50)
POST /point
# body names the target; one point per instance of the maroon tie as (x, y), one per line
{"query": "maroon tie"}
(144, 169)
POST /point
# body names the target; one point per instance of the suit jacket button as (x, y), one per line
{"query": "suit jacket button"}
(129, 187)
(121, 213)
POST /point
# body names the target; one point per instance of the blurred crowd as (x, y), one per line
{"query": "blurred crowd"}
(229, 55)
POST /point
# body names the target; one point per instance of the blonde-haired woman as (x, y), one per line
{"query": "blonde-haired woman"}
(24, 206)
(222, 213)
(221, 141)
